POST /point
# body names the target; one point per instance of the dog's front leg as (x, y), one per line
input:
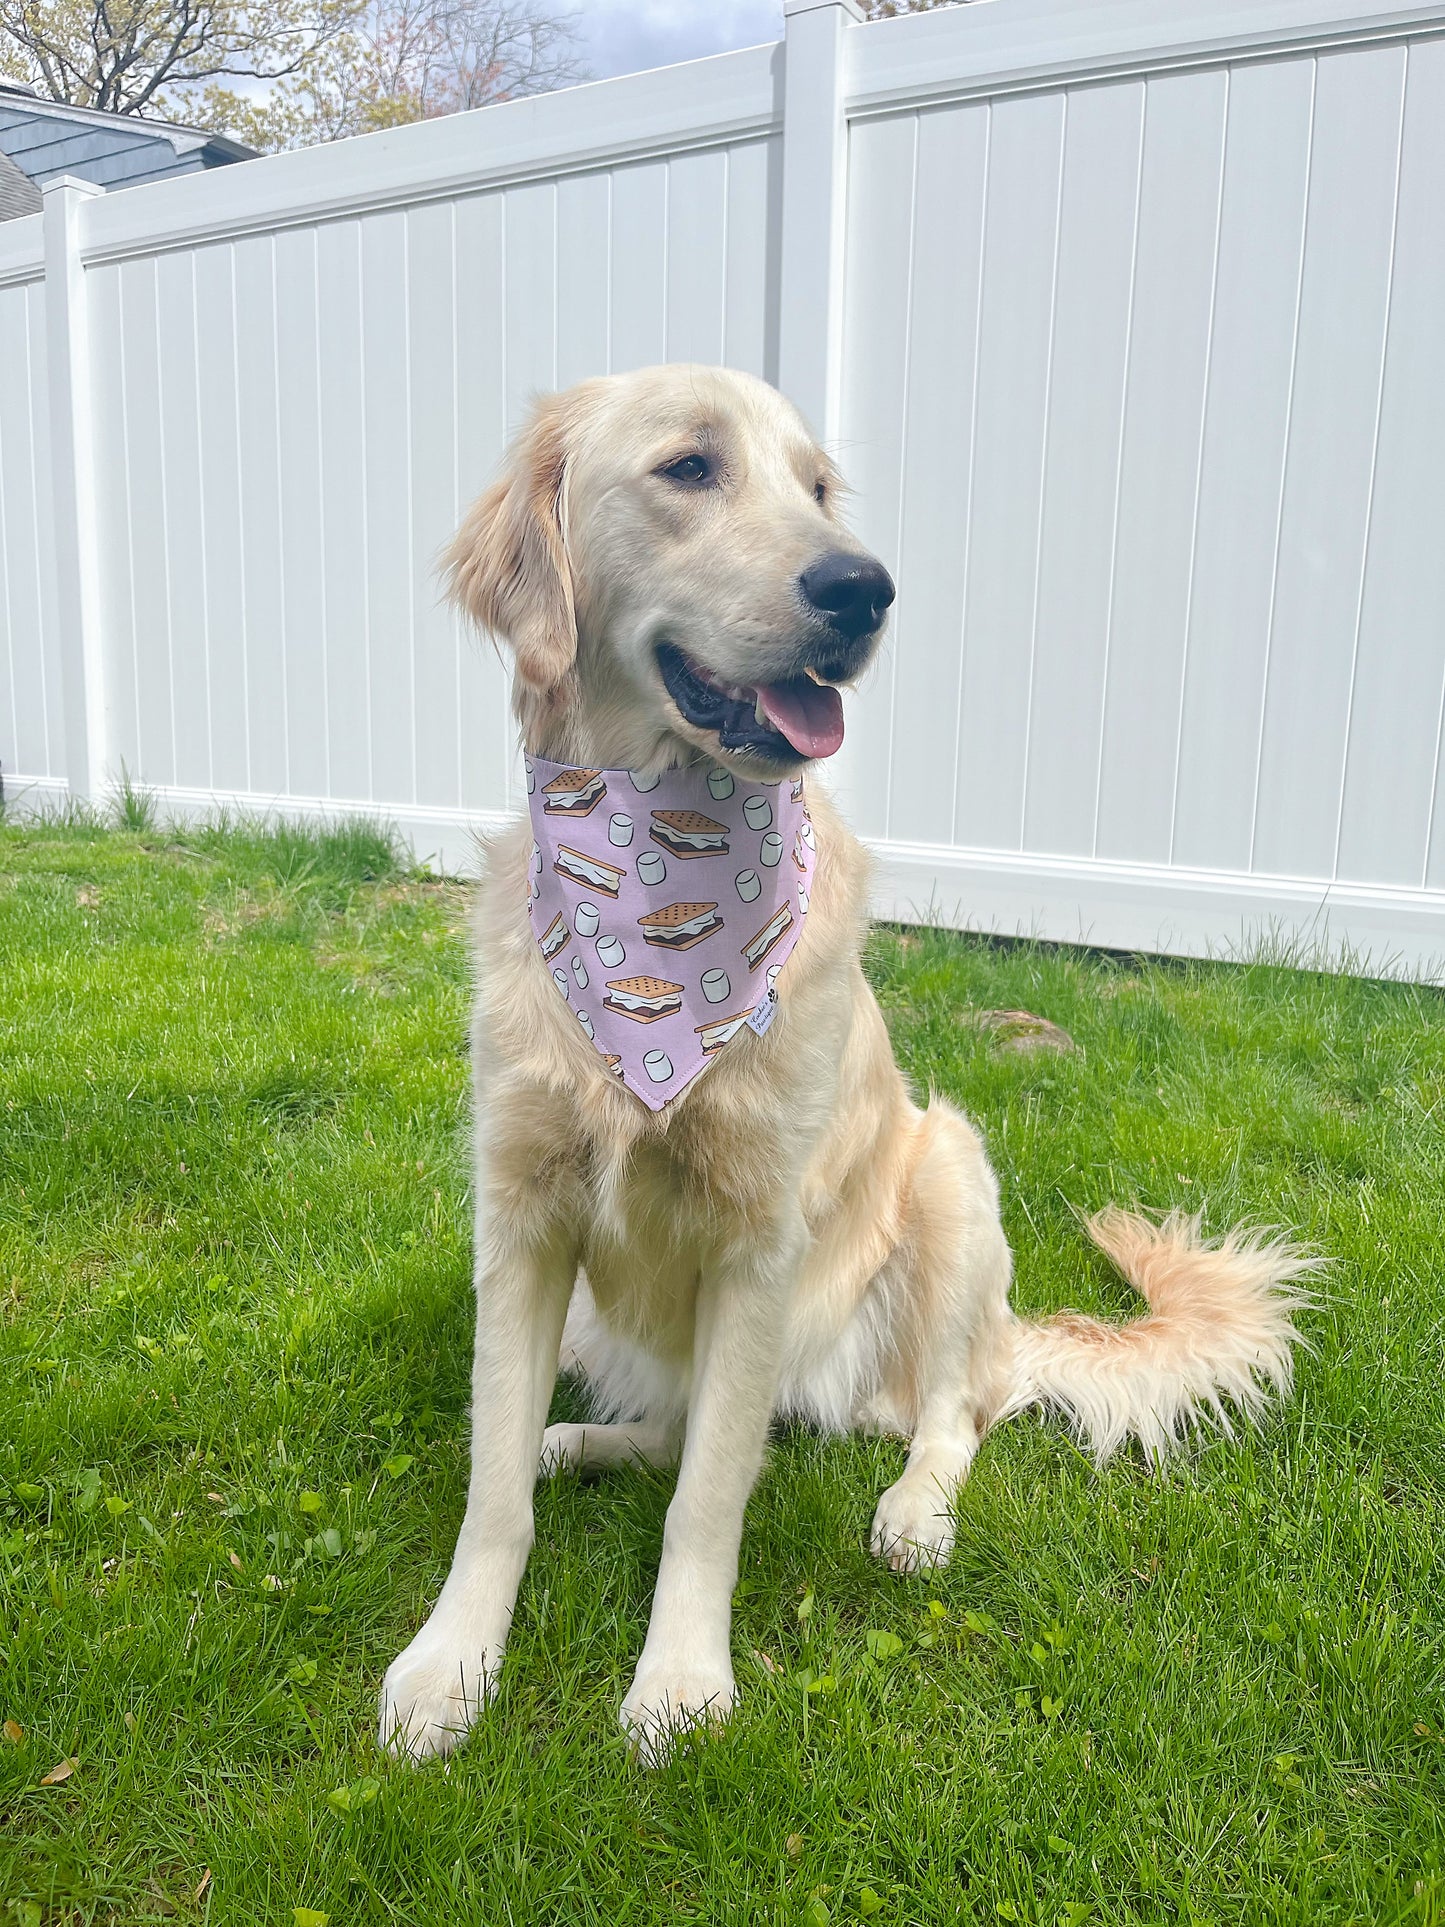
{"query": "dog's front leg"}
(434, 1690)
(685, 1674)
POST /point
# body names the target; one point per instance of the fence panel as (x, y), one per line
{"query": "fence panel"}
(1124, 322)
(1129, 333)
(31, 730)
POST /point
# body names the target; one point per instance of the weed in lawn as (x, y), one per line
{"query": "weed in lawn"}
(234, 1349)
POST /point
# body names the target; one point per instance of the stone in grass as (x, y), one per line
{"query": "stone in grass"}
(1021, 1032)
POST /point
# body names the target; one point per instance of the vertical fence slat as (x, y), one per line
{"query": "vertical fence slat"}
(1025, 155)
(1349, 229)
(696, 256)
(951, 166)
(1251, 357)
(298, 346)
(639, 265)
(872, 422)
(1400, 667)
(486, 734)
(262, 544)
(223, 557)
(754, 238)
(24, 724)
(180, 439)
(582, 277)
(341, 382)
(1174, 274)
(1092, 314)
(112, 520)
(430, 319)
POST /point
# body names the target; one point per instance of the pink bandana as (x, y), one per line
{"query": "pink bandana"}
(664, 907)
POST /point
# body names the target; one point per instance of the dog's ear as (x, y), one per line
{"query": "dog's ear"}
(507, 566)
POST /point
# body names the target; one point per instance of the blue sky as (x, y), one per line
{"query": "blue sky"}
(624, 36)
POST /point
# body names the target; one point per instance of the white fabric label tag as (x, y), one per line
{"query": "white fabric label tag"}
(763, 1016)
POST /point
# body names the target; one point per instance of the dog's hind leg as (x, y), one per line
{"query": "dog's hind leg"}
(588, 1449)
(954, 1354)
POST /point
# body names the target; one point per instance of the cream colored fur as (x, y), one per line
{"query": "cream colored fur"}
(795, 1235)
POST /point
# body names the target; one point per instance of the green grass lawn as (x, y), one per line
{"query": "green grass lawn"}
(234, 1339)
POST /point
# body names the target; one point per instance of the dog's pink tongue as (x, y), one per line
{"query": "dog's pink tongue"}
(807, 713)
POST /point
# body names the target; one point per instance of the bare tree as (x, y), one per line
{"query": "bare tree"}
(407, 60)
(122, 55)
(334, 67)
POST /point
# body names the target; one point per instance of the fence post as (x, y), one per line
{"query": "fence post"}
(815, 169)
(72, 468)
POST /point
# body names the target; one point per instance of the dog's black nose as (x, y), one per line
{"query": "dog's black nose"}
(850, 592)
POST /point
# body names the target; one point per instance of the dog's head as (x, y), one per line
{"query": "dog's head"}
(665, 558)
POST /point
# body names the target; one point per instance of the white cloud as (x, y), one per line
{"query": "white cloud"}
(625, 36)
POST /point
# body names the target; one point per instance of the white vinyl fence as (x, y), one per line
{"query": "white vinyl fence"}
(1126, 318)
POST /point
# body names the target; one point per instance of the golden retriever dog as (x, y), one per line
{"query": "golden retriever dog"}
(793, 1235)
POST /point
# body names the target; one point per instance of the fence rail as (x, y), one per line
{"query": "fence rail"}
(1123, 319)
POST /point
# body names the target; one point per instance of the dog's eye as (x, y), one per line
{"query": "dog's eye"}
(690, 471)
(820, 491)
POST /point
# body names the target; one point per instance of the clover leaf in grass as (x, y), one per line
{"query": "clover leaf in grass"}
(309, 1501)
(869, 1903)
(87, 1490)
(1282, 1768)
(28, 1493)
(350, 1799)
(302, 1670)
(399, 1463)
(309, 1917)
(883, 1644)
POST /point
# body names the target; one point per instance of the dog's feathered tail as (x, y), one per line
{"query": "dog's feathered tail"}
(1218, 1336)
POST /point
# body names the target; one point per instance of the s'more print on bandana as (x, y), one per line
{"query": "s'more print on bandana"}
(665, 906)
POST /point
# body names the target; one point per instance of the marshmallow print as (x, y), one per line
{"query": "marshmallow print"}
(586, 1022)
(749, 885)
(758, 813)
(619, 830)
(716, 986)
(559, 977)
(610, 952)
(651, 868)
(658, 1066)
(720, 785)
(643, 781)
(770, 851)
(579, 973)
(586, 919)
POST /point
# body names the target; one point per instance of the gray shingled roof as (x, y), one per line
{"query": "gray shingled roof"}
(18, 193)
(45, 138)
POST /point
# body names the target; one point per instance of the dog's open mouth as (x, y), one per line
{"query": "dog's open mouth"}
(781, 720)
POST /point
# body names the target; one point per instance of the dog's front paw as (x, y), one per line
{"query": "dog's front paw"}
(434, 1691)
(665, 1701)
(913, 1526)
